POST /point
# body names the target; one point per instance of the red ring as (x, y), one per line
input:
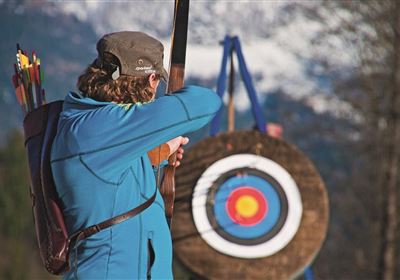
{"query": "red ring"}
(248, 191)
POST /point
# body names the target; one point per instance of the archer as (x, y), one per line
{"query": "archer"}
(99, 156)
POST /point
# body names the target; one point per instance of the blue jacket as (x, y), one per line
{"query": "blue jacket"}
(101, 169)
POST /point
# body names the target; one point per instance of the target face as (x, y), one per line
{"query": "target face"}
(246, 206)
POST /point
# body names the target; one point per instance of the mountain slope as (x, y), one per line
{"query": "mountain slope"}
(64, 45)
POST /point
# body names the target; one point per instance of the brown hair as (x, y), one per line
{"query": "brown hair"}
(97, 84)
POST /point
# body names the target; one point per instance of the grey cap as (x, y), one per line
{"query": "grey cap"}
(138, 53)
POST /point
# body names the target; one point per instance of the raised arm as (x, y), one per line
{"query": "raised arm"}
(115, 135)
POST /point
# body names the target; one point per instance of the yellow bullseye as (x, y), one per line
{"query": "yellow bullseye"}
(246, 206)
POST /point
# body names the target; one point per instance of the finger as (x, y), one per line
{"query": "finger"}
(177, 163)
(184, 140)
(179, 156)
(181, 150)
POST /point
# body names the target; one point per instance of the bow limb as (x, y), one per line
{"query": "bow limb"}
(175, 82)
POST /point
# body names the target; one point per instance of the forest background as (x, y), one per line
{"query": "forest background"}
(327, 71)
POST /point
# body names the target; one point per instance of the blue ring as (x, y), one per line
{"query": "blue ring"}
(247, 232)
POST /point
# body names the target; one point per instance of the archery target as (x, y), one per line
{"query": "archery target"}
(246, 212)
(248, 206)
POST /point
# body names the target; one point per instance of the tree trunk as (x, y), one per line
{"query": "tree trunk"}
(393, 157)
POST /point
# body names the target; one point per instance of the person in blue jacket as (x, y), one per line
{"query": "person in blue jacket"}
(99, 156)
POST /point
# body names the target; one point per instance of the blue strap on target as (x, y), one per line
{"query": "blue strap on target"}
(255, 106)
(233, 42)
(221, 84)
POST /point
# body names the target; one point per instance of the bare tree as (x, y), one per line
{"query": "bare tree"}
(373, 27)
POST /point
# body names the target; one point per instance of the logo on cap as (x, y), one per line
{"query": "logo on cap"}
(140, 68)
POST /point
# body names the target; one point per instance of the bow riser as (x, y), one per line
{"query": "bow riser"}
(176, 77)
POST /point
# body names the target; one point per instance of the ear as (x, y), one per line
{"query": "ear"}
(153, 81)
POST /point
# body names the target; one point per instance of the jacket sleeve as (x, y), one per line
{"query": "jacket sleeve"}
(115, 135)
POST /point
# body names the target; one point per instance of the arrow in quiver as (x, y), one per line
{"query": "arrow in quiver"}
(248, 206)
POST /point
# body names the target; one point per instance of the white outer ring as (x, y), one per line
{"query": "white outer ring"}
(268, 248)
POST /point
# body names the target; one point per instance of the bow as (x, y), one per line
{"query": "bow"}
(175, 82)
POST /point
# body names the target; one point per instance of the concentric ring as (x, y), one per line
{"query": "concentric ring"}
(268, 235)
(246, 206)
(236, 233)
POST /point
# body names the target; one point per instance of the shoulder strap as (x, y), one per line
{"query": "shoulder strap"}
(85, 233)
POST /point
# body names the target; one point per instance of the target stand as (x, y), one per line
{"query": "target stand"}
(248, 206)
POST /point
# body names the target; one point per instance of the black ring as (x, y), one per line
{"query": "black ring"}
(251, 241)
